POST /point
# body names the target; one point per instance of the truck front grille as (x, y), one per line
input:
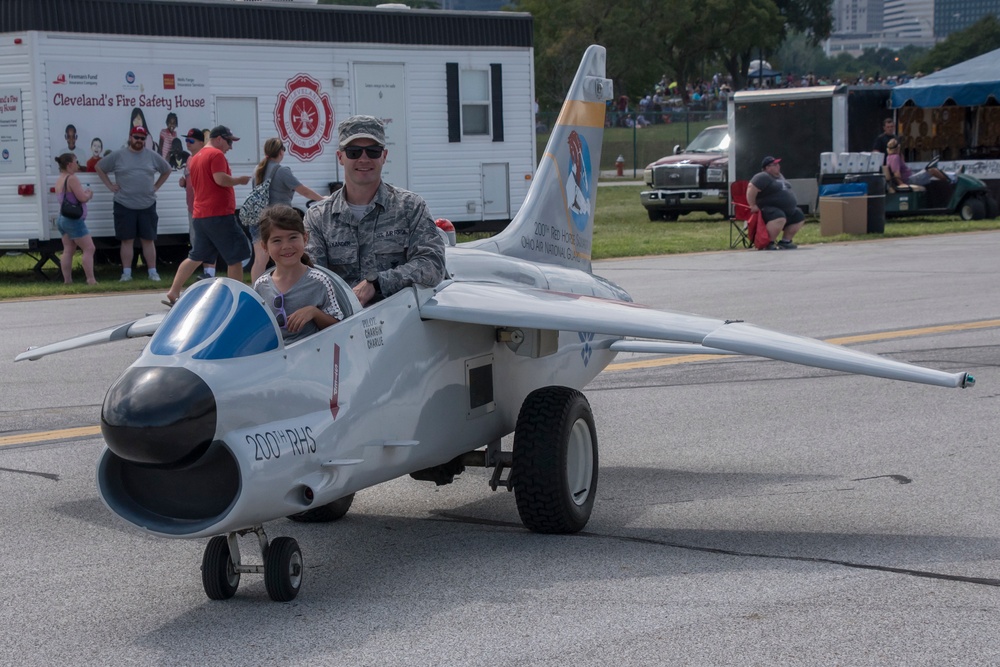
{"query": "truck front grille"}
(676, 176)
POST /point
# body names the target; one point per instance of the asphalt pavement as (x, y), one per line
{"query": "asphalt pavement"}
(749, 512)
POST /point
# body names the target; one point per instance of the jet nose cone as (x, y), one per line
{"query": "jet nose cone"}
(159, 415)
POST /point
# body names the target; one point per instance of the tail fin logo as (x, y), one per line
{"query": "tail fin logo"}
(579, 181)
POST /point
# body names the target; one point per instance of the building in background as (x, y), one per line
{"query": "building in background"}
(954, 15)
(894, 24)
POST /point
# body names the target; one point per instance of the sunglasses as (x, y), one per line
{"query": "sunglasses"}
(138, 137)
(279, 305)
(354, 152)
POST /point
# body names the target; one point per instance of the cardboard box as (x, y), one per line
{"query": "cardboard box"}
(843, 215)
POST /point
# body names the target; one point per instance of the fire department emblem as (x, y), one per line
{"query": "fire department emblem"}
(304, 117)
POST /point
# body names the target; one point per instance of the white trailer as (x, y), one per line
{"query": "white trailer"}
(455, 89)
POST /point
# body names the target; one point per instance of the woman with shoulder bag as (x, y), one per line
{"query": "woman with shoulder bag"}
(284, 185)
(73, 198)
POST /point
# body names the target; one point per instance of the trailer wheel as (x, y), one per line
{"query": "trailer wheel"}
(992, 208)
(554, 466)
(972, 208)
(325, 513)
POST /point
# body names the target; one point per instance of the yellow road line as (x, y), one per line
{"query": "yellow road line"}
(42, 436)
(843, 340)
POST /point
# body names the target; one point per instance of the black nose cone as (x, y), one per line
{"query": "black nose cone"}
(159, 416)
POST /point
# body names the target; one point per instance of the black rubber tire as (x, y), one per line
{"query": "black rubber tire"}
(972, 208)
(554, 466)
(654, 216)
(283, 569)
(992, 208)
(325, 513)
(218, 575)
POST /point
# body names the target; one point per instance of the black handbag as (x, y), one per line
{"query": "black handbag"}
(69, 209)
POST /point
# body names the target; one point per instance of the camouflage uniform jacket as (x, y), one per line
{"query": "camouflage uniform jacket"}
(396, 238)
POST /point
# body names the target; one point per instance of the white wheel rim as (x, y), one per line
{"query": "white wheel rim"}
(295, 569)
(579, 462)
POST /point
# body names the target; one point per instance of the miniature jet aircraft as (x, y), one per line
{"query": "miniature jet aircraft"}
(219, 427)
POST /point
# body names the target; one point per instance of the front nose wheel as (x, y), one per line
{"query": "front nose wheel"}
(283, 569)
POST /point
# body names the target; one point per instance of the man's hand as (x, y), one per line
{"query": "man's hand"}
(365, 292)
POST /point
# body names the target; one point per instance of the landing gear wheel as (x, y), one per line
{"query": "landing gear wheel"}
(325, 513)
(218, 574)
(973, 208)
(283, 569)
(554, 466)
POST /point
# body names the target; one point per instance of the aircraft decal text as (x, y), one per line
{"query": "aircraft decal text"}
(550, 240)
(373, 332)
(270, 445)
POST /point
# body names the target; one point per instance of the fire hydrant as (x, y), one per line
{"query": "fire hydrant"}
(620, 165)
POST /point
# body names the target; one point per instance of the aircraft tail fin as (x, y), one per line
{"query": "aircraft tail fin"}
(555, 225)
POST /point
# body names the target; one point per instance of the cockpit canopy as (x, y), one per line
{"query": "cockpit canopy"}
(217, 319)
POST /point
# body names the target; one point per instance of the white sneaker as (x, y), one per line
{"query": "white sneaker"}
(154, 276)
(125, 278)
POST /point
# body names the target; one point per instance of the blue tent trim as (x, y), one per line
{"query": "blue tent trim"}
(968, 84)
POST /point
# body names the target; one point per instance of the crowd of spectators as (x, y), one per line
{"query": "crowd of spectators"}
(667, 103)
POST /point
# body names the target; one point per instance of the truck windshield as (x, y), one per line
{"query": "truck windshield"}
(711, 140)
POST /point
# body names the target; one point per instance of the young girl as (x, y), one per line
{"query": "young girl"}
(302, 298)
(284, 185)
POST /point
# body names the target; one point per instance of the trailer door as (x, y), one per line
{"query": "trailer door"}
(496, 191)
(379, 91)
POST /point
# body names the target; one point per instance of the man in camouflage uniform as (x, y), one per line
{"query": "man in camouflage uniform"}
(378, 238)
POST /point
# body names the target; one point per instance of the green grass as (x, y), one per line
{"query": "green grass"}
(621, 229)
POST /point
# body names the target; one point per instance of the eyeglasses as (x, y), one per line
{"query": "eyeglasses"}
(279, 305)
(354, 152)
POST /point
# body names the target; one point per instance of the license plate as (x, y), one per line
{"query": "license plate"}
(672, 200)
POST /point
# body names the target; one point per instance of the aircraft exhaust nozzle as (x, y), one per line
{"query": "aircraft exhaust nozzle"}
(164, 416)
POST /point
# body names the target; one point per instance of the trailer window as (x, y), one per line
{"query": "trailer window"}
(475, 92)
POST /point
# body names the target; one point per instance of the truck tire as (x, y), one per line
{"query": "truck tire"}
(972, 208)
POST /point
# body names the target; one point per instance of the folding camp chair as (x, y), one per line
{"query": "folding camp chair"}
(741, 213)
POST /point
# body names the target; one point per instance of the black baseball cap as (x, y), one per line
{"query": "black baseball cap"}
(224, 132)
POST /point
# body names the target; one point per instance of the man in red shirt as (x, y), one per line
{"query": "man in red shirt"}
(216, 230)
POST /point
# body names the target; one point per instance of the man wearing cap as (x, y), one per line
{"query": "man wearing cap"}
(195, 140)
(772, 195)
(134, 188)
(379, 238)
(216, 231)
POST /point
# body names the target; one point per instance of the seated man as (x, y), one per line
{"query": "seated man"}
(771, 194)
(900, 174)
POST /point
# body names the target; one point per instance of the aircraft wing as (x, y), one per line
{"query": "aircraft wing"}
(145, 326)
(510, 306)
